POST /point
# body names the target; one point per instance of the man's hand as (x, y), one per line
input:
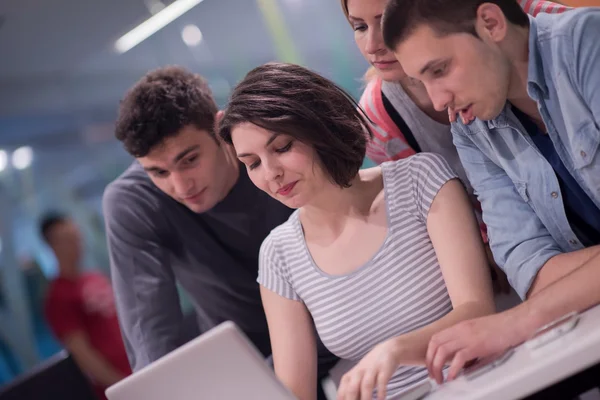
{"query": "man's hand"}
(452, 116)
(474, 339)
(373, 371)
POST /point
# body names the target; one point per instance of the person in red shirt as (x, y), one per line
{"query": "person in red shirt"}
(80, 308)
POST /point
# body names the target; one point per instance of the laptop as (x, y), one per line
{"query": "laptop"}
(59, 377)
(221, 364)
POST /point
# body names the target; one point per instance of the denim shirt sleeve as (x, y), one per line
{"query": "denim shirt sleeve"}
(586, 53)
(519, 241)
(145, 289)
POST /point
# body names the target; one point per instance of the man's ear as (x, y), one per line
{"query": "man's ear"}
(219, 116)
(491, 22)
(218, 119)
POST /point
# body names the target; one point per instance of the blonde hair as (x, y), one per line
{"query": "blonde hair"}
(344, 4)
(370, 73)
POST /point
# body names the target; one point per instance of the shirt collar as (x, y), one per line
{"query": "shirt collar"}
(536, 82)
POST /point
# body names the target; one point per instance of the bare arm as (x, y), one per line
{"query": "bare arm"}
(91, 361)
(577, 291)
(559, 266)
(487, 336)
(457, 242)
(293, 343)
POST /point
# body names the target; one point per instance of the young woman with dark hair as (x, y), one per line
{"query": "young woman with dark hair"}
(378, 260)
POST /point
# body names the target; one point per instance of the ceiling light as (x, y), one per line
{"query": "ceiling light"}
(154, 24)
(154, 6)
(22, 157)
(191, 35)
(3, 160)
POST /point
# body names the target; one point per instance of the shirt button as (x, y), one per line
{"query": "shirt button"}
(583, 154)
(554, 195)
(573, 242)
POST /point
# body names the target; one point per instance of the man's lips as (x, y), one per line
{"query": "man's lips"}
(465, 113)
(194, 196)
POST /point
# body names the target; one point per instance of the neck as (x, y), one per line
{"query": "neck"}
(335, 205)
(516, 47)
(418, 94)
(68, 269)
(232, 165)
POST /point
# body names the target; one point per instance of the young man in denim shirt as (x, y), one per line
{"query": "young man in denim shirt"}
(527, 91)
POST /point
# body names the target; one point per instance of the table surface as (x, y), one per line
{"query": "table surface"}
(528, 371)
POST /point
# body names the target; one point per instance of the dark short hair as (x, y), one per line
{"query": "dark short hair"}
(49, 221)
(162, 103)
(290, 99)
(402, 17)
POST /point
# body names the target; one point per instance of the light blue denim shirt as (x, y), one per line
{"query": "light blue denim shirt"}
(518, 189)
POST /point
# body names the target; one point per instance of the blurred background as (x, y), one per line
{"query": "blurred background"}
(61, 78)
(62, 74)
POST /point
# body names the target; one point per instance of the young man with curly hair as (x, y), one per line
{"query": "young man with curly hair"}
(185, 212)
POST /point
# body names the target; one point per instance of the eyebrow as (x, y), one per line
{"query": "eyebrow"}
(271, 139)
(356, 19)
(429, 65)
(152, 169)
(177, 158)
(185, 152)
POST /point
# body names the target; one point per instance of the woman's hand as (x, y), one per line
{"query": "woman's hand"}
(373, 371)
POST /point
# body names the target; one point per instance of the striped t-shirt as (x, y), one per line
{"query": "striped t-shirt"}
(399, 290)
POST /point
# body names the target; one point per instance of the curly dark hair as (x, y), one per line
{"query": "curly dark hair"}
(159, 105)
(290, 99)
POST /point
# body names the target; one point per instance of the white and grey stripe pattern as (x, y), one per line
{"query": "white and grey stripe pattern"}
(399, 290)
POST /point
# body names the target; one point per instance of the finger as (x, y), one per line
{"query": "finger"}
(435, 342)
(458, 362)
(444, 354)
(451, 115)
(383, 378)
(431, 349)
(352, 387)
(341, 392)
(367, 385)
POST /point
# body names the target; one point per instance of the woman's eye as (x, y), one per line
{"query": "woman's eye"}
(285, 148)
(254, 165)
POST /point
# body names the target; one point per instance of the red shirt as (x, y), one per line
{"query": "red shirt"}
(87, 304)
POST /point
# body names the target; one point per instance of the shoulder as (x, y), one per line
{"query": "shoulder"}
(579, 25)
(372, 85)
(132, 193)
(536, 7)
(370, 100)
(59, 290)
(570, 25)
(281, 239)
(415, 165)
